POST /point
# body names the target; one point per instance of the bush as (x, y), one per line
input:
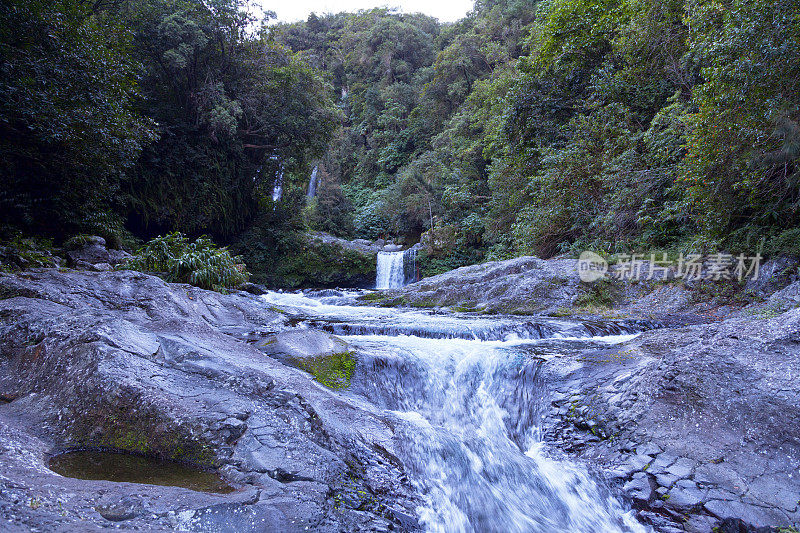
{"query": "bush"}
(200, 263)
(18, 251)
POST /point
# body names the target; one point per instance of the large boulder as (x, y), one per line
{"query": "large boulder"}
(522, 285)
(304, 343)
(126, 361)
(709, 414)
(93, 251)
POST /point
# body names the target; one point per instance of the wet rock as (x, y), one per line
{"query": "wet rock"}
(636, 463)
(358, 245)
(682, 468)
(125, 509)
(665, 480)
(102, 267)
(522, 285)
(126, 361)
(640, 488)
(735, 525)
(253, 288)
(650, 448)
(662, 462)
(774, 275)
(304, 343)
(685, 496)
(719, 399)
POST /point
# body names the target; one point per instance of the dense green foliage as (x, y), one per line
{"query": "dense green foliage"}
(198, 263)
(68, 130)
(556, 125)
(149, 116)
(529, 126)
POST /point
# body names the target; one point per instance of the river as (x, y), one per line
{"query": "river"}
(469, 388)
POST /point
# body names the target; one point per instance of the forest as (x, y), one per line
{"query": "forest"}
(526, 128)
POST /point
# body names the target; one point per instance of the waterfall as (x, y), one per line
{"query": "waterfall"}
(277, 191)
(396, 269)
(312, 184)
(391, 270)
(468, 405)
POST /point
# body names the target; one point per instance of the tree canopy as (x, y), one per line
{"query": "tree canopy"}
(529, 126)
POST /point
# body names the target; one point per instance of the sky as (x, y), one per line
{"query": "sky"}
(294, 10)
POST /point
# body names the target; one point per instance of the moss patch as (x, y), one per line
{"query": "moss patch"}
(141, 430)
(334, 371)
(372, 297)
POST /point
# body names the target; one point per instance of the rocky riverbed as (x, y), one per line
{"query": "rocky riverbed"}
(697, 421)
(694, 426)
(123, 360)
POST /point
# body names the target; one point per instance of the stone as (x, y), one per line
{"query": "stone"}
(124, 360)
(685, 496)
(665, 480)
(125, 509)
(640, 488)
(736, 525)
(650, 448)
(253, 288)
(636, 463)
(775, 490)
(682, 468)
(749, 514)
(102, 267)
(661, 462)
(305, 343)
(521, 285)
(773, 275)
(94, 251)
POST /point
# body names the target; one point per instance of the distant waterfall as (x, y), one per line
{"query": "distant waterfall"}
(312, 184)
(277, 191)
(396, 269)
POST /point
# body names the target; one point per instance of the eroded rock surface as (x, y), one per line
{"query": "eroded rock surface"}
(523, 285)
(698, 424)
(126, 361)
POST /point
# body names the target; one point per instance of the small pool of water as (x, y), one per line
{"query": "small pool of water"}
(111, 466)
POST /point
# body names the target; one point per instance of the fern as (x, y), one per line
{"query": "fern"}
(200, 263)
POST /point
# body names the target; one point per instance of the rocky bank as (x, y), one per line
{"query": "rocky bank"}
(123, 360)
(696, 423)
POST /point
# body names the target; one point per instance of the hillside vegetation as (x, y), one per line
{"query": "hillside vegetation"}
(527, 127)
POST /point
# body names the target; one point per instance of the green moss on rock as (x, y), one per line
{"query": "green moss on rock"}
(334, 371)
(141, 431)
(312, 264)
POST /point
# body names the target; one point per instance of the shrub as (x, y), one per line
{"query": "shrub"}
(18, 251)
(199, 263)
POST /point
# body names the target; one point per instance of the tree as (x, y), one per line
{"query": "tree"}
(69, 132)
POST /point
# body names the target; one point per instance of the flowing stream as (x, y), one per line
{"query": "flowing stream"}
(469, 390)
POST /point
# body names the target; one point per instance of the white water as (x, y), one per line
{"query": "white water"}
(277, 190)
(469, 403)
(391, 270)
(312, 184)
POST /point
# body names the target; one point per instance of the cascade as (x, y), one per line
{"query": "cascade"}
(396, 269)
(467, 402)
(277, 191)
(312, 184)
